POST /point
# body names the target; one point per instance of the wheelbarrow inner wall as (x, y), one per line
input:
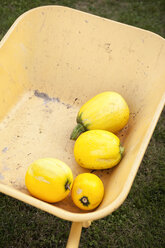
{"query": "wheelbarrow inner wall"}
(52, 60)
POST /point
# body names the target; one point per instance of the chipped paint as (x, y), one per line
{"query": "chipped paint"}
(5, 149)
(48, 99)
(1, 177)
(45, 97)
(5, 168)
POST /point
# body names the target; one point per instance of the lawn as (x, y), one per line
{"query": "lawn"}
(139, 222)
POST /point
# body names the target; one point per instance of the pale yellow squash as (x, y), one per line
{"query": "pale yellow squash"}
(98, 149)
(87, 191)
(49, 179)
(106, 111)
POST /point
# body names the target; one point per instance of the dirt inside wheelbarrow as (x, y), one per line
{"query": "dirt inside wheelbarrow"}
(39, 126)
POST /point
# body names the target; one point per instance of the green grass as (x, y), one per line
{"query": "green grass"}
(139, 222)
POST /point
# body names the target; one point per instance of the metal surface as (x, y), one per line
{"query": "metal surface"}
(52, 60)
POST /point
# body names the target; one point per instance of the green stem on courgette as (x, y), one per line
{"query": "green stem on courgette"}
(77, 131)
(121, 150)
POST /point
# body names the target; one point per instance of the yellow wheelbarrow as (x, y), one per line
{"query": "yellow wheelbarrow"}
(52, 60)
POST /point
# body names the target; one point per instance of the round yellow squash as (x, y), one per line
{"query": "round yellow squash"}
(49, 179)
(87, 191)
(106, 111)
(98, 149)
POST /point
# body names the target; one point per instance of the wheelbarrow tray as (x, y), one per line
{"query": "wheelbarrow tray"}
(52, 60)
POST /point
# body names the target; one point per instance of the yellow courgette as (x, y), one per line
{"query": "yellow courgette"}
(98, 149)
(107, 111)
(49, 179)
